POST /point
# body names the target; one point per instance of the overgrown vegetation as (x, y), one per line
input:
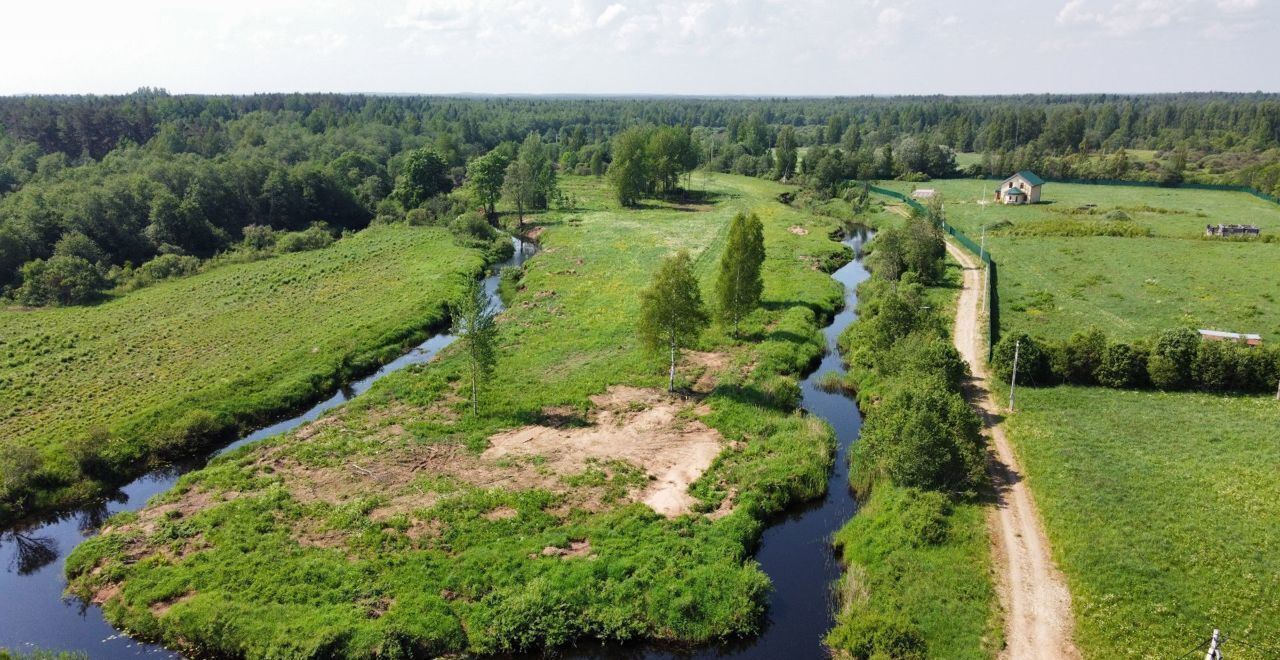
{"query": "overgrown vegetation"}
(90, 396)
(444, 561)
(917, 582)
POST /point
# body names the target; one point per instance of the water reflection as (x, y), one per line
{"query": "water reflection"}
(30, 553)
(35, 612)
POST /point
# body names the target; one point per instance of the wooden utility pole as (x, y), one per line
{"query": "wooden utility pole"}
(1013, 379)
(1278, 392)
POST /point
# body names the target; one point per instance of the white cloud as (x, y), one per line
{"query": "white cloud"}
(1236, 6)
(611, 12)
(676, 46)
(1125, 17)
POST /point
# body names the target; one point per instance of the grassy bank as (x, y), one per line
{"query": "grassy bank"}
(1162, 512)
(401, 524)
(917, 555)
(90, 395)
(1053, 285)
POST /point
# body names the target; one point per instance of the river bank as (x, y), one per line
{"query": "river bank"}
(35, 554)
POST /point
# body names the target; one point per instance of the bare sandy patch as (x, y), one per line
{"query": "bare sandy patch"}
(579, 548)
(160, 607)
(798, 230)
(642, 427)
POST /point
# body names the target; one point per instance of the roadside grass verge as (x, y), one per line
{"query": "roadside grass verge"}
(1162, 512)
(91, 395)
(374, 531)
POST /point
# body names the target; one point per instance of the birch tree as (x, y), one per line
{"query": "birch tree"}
(671, 311)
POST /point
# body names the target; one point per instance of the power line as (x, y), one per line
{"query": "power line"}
(1195, 649)
(1269, 651)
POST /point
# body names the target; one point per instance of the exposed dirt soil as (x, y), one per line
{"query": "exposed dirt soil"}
(798, 230)
(159, 608)
(580, 548)
(1033, 592)
(645, 428)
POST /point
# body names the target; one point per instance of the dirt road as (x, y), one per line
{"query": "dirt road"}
(1033, 593)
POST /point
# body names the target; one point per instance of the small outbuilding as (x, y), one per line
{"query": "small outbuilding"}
(1238, 337)
(924, 193)
(1021, 188)
(1232, 230)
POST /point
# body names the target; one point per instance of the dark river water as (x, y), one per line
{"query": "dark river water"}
(795, 551)
(33, 611)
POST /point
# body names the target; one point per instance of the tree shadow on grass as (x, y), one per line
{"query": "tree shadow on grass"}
(752, 396)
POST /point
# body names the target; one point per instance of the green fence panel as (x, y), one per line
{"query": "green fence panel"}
(993, 299)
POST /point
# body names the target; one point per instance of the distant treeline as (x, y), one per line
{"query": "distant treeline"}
(116, 181)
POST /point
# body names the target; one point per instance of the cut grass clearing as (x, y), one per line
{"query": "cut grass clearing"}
(1132, 288)
(367, 533)
(176, 366)
(1162, 511)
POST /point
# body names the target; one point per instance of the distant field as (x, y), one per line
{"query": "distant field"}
(1163, 513)
(1131, 287)
(157, 365)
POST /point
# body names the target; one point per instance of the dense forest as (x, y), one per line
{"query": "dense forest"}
(101, 193)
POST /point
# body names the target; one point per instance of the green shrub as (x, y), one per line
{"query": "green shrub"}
(1121, 367)
(924, 435)
(1033, 360)
(924, 516)
(314, 237)
(62, 280)
(1080, 357)
(1169, 366)
(916, 247)
(1215, 366)
(258, 237)
(472, 230)
(867, 635)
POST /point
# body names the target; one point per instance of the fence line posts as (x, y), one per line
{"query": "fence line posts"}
(1013, 379)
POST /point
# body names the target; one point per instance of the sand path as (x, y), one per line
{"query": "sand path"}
(1033, 592)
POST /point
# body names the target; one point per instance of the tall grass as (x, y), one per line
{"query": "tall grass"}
(98, 392)
(254, 586)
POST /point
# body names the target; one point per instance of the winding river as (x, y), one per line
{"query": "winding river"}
(33, 610)
(795, 551)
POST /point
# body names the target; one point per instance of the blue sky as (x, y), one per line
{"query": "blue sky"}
(751, 47)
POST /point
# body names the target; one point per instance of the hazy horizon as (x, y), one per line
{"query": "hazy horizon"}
(725, 48)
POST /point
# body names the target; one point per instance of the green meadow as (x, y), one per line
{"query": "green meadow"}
(1132, 287)
(1158, 505)
(384, 529)
(173, 367)
(1162, 512)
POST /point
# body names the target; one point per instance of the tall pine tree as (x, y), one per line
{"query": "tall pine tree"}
(475, 325)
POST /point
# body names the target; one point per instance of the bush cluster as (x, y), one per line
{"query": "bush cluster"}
(1177, 360)
(921, 448)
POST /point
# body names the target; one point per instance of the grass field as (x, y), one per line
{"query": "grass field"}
(186, 361)
(1159, 506)
(1162, 512)
(388, 526)
(1131, 287)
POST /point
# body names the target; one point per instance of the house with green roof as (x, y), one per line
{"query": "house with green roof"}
(1021, 188)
